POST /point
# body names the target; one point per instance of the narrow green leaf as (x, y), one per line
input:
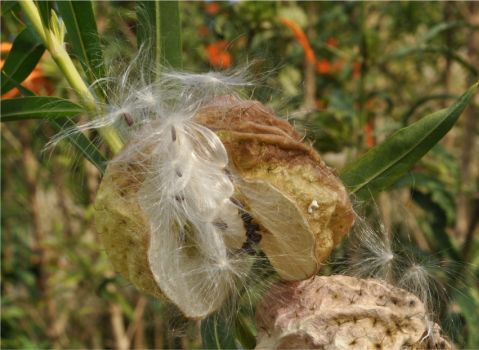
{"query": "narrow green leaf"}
(37, 107)
(24, 55)
(439, 28)
(170, 34)
(217, 334)
(384, 164)
(159, 29)
(11, 109)
(82, 32)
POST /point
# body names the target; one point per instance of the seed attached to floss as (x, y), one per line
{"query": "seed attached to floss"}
(128, 119)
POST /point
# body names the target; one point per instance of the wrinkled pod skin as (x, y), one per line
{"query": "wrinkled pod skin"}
(342, 312)
(301, 207)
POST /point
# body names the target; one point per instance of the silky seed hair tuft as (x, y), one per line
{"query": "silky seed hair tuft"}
(373, 252)
(137, 94)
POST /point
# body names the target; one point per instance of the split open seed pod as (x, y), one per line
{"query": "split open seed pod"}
(342, 312)
(301, 205)
(240, 159)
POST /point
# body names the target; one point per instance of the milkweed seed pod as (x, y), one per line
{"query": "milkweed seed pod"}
(341, 312)
(301, 205)
(203, 182)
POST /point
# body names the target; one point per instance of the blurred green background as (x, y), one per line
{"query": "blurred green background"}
(348, 74)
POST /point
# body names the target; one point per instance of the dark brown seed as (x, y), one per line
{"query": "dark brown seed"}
(248, 249)
(236, 202)
(254, 227)
(220, 224)
(128, 119)
(255, 238)
(246, 217)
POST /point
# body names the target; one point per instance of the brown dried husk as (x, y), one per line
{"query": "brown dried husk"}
(279, 176)
(342, 312)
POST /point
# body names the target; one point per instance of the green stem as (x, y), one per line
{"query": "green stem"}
(33, 15)
(56, 48)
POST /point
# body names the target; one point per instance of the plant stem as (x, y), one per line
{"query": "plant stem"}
(56, 48)
(33, 15)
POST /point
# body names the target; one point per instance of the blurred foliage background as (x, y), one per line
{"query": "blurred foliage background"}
(346, 73)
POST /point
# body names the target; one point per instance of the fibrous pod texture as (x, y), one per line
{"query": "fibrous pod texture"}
(342, 312)
(180, 207)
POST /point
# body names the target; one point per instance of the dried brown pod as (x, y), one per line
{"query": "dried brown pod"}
(297, 204)
(342, 312)
(303, 208)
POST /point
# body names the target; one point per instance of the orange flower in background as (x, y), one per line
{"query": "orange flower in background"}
(369, 134)
(323, 66)
(218, 56)
(5, 47)
(35, 81)
(320, 104)
(212, 8)
(337, 65)
(301, 38)
(332, 42)
(356, 70)
(203, 31)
